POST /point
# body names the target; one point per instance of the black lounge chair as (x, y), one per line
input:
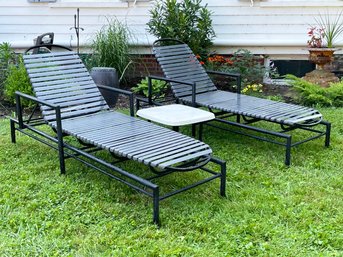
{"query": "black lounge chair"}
(192, 85)
(72, 105)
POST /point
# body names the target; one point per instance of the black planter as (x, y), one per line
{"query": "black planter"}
(108, 77)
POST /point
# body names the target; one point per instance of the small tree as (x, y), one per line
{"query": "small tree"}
(187, 21)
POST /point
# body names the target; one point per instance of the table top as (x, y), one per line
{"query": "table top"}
(175, 114)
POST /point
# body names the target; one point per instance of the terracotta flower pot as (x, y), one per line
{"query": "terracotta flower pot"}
(321, 56)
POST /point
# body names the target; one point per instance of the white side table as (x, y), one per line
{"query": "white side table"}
(176, 115)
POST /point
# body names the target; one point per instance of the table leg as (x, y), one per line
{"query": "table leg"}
(200, 131)
(176, 128)
(194, 130)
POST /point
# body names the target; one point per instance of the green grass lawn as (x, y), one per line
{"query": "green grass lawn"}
(270, 210)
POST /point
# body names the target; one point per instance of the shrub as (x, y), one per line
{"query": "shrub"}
(111, 47)
(244, 62)
(157, 87)
(7, 56)
(312, 94)
(187, 21)
(17, 80)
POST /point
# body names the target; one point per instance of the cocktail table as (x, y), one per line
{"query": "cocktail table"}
(176, 115)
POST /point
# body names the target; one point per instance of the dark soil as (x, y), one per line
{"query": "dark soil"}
(6, 109)
(288, 94)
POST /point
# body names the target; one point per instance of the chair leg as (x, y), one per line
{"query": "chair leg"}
(200, 131)
(61, 157)
(288, 150)
(194, 130)
(327, 133)
(176, 128)
(223, 178)
(238, 118)
(137, 105)
(61, 151)
(13, 138)
(156, 206)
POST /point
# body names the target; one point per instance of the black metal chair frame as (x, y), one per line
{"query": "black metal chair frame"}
(244, 122)
(85, 154)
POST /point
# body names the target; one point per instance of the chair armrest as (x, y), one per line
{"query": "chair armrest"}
(237, 76)
(192, 84)
(57, 108)
(123, 92)
(35, 99)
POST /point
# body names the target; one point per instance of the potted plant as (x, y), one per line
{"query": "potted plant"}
(322, 39)
(111, 57)
(321, 47)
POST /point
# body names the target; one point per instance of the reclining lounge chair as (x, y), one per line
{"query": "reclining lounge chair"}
(72, 105)
(192, 85)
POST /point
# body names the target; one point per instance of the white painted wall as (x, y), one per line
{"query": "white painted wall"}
(273, 27)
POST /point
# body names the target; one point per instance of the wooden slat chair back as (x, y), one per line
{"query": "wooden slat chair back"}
(62, 79)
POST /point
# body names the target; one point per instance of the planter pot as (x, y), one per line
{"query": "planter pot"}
(321, 56)
(107, 77)
(320, 76)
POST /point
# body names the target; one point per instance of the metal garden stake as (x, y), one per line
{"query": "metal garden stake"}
(77, 28)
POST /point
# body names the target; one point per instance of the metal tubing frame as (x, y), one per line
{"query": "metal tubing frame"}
(288, 138)
(65, 150)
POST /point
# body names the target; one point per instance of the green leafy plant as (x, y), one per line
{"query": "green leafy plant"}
(330, 28)
(187, 21)
(7, 56)
(17, 80)
(243, 62)
(157, 88)
(111, 47)
(313, 94)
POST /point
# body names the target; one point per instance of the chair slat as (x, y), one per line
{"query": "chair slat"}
(53, 58)
(54, 72)
(35, 56)
(51, 64)
(77, 113)
(61, 68)
(60, 82)
(60, 77)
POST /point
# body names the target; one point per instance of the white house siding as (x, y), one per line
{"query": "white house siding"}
(273, 27)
